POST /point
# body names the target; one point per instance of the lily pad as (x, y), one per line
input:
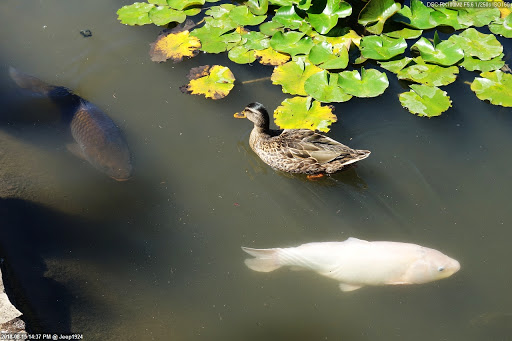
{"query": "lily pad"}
(424, 100)
(241, 55)
(428, 74)
(376, 12)
(162, 15)
(292, 75)
(446, 17)
(303, 113)
(417, 16)
(213, 82)
(444, 53)
(382, 47)
(323, 56)
(221, 11)
(405, 33)
(502, 27)
(271, 27)
(291, 42)
(396, 65)
(334, 9)
(257, 7)
(473, 64)
(242, 16)
(182, 4)
(495, 86)
(288, 17)
(370, 83)
(478, 17)
(216, 39)
(323, 86)
(269, 56)
(135, 14)
(256, 40)
(175, 45)
(476, 44)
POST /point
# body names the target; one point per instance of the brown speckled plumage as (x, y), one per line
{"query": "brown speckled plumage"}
(297, 150)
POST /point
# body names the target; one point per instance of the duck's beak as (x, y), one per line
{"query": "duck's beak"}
(240, 114)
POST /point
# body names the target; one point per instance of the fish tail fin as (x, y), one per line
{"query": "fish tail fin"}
(35, 84)
(265, 259)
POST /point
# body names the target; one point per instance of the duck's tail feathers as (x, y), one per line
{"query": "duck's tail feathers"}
(265, 260)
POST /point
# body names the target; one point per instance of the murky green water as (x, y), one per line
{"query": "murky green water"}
(159, 257)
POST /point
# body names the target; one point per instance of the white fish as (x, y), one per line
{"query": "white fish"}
(356, 263)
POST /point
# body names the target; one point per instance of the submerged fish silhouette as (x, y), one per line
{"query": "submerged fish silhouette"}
(98, 139)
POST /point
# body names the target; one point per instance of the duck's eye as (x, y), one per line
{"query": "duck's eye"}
(441, 268)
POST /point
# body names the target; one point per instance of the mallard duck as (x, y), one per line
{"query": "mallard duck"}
(296, 150)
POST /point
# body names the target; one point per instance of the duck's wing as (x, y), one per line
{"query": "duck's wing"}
(307, 144)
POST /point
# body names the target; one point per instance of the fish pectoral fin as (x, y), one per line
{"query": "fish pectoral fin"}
(349, 287)
(75, 149)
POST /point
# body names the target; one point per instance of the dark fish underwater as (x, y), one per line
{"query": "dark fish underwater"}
(98, 139)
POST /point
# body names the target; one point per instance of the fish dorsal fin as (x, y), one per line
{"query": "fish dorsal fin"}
(349, 287)
(356, 240)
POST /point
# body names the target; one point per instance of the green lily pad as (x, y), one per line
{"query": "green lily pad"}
(282, 3)
(334, 9)
(417, 16)
(292, 75)
(162, 15)
(291, 42)
(444, 53)
(271, 27)
(323, 56)
(446, 17)
(323, 86)
(424, 100)
(241, 55)
(182, 4)
(256, 40)
(396, 65)
(221, 11)
(288, 17)
(495, 86)
(476, 44)
(473, 64)
(158, 2)
(405, 33)
(242, 16)
(376, 12)
(213, 82)
(428, 74)
(502, 27)
(216, 39)
(135, 14)
(382, 47)
(257, 7)
(478, 17)
(370, 83)
(303, 113)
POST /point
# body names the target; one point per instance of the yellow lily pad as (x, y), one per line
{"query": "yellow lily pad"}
(175, 45)
(292, 75)
(269, 56)
(213, 82)
(304, 113)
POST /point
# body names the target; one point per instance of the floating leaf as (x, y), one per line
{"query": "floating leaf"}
(478, 17)
(502, 27)
(334, 9)
(219, 12)
(323, 86)
(241, 55)
(242, 16)
(288, 17)
(161, 15)
(269, 56)
(213, 82)
(257, 7)
(444, 53)
(495, 86)
(375, 13)
(474, 43)
(323, 56)
(382, 47)
(428, 74)
(396, 65)
(424, 100)
(182, 4)
(303, 113)
(256, 41)
(405, 33)
(271, 27)
(446, 17)
(473, 64)
(339, 43)
(291, 42)
(216, 39)
(175, 45)
(370, 83)
(418, 15)
(135, 14)
(292, 75)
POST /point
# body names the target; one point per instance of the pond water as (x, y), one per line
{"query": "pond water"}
(159, 257)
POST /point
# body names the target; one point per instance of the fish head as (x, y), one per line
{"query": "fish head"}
(432, 265)
(115, 161)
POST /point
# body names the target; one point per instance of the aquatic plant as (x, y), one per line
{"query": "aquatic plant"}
(316, 48)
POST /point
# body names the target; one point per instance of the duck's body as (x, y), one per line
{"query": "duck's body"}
(297, 150)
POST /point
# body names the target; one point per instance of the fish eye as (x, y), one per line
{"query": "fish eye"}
(441, 268)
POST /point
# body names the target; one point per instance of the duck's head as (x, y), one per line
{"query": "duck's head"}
(256, 113)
